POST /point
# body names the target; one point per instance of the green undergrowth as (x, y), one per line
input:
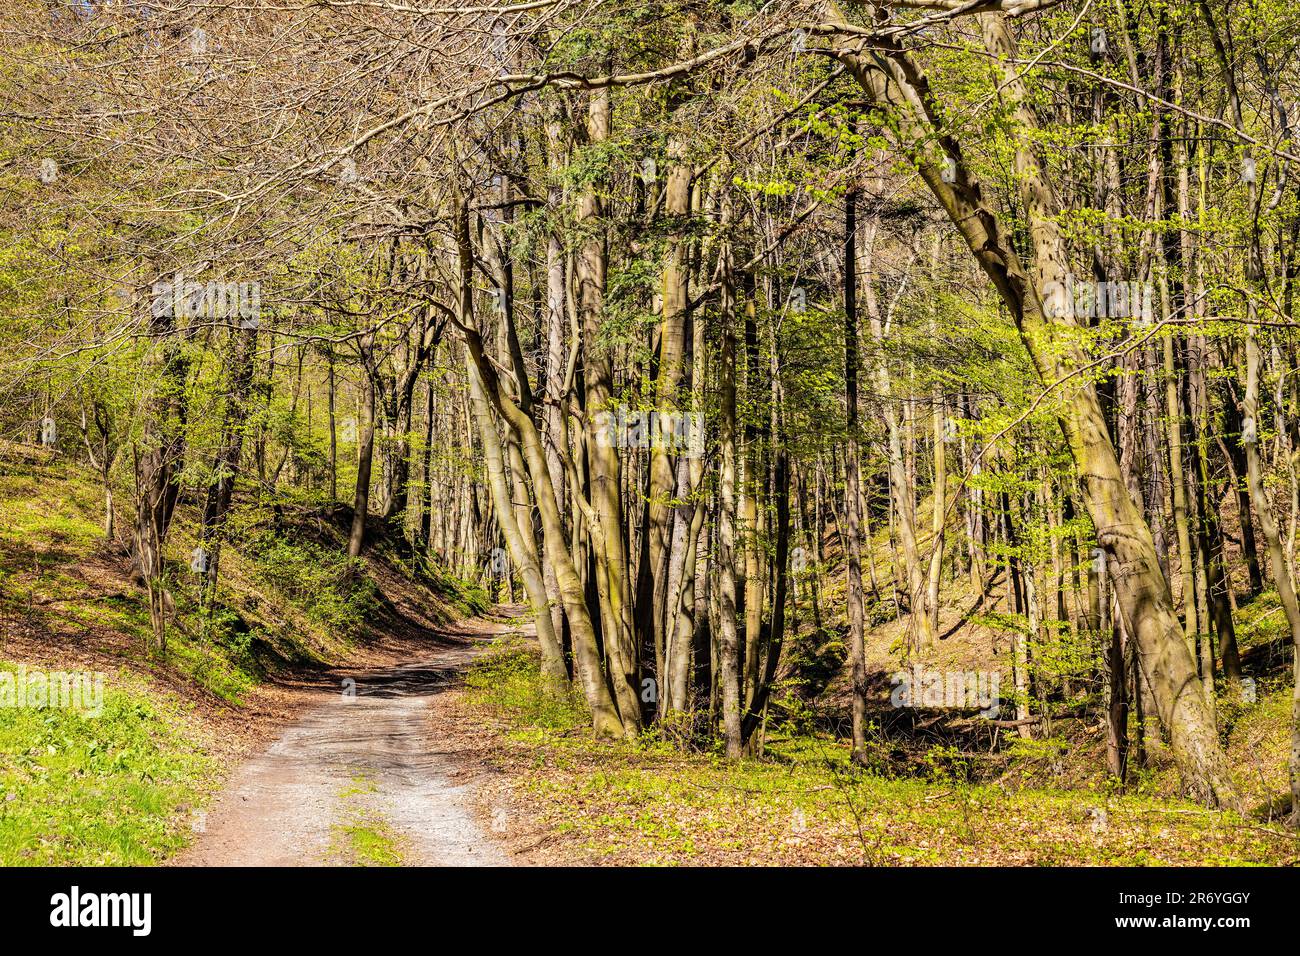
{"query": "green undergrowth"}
(463, 598)
(508, 682)
(288, 593)
(649, 802)
(112, 789)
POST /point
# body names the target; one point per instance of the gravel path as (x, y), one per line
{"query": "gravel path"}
(358, 770)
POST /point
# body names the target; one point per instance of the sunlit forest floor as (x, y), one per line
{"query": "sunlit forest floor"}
(941, 787)
(564, 797)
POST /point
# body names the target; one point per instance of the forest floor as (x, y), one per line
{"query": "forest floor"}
(561, 797)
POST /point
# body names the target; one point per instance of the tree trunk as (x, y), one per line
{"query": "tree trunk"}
(221, 488)
(853, 482)
(728, 639)
(602, 454)
(361, 492)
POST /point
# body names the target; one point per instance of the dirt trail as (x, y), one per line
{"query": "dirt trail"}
(357, 778)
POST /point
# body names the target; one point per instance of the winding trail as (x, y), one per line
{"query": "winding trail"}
(357, 778)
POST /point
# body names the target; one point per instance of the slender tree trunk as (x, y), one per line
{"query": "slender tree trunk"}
(334, 436)
(853, 481)
(361, 492)
(728, 639)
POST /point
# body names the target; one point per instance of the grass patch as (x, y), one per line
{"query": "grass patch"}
(83, 791)
(365, 839)
(508, 681)
(369, 843)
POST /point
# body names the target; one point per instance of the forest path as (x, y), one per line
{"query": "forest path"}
(358, 779)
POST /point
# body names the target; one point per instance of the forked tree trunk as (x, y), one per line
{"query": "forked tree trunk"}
(652, 589)
(604, 715)
(159, 458)
(221, 489)
(614, 584)
(523, 556)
